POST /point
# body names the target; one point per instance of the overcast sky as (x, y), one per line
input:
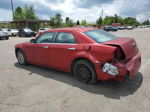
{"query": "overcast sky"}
(80, 9)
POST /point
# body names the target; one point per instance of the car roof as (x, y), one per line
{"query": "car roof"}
(74, 29)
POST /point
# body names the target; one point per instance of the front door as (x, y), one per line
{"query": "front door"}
(40, 52)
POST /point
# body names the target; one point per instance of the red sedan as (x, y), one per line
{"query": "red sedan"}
(89, 53)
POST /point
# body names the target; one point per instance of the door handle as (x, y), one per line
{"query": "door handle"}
(45, 47)
(71, 48)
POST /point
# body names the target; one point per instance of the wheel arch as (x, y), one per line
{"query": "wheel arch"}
(16, 50)
(80, 58)
(19, 48)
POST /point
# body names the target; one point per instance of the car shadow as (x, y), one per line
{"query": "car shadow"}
(27, 37)
(110, 89)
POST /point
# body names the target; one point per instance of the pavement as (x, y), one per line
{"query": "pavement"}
(36, 89)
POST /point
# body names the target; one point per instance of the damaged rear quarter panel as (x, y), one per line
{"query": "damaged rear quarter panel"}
(103, 53)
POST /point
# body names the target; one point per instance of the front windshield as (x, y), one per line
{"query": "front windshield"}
(100, 35)
(27, 30)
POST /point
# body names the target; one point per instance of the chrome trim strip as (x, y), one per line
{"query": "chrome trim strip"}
(57, 43)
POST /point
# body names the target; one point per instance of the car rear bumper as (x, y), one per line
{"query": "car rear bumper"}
(29, 34)
(3, 37)
(129, 67)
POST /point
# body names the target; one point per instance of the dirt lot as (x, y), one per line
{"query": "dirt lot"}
(35, 89)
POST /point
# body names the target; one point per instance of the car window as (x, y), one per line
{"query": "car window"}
(20, 30)
(46, 38)
(65, 38)
(100, 35)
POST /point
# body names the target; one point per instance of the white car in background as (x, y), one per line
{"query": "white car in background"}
(10, 32)
(13, 32)
(5, 30)
(43, 29)
(130, 27)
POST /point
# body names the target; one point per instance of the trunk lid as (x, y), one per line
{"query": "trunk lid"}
(128, 46)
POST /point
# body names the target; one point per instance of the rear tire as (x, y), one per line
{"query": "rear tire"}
(84, 71)
(19, 35)
(21, 57)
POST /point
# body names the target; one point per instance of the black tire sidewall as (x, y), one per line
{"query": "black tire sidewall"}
(89, 66)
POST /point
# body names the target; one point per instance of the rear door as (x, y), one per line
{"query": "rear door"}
(40, 52)
(62, 51)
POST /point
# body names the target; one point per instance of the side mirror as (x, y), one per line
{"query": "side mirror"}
(32, 41)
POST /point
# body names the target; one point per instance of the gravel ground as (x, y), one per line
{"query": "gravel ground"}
(36, 89)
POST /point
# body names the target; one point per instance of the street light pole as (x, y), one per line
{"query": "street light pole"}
(12, 8)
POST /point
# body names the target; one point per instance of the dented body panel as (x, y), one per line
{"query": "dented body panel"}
(129, 68)
(128, 45)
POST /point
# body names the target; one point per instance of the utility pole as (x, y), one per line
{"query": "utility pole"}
(149, 16)
(102, 13)
(12, 8)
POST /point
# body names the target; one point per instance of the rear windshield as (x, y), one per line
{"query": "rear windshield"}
(100, 35)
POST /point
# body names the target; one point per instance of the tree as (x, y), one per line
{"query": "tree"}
(26, 13)
(83, 22)
(52, 21)
(56, 20)
(146, 22)
(130, 21)
(29, 12)
(108, 20)
(70, 23)
(19, 14)
(116, 18)
(78, 22)
(67, 20)
(99, 20)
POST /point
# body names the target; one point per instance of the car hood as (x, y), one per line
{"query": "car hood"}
(128, 45)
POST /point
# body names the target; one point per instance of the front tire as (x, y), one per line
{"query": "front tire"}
(21, 57)
(84, 71)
